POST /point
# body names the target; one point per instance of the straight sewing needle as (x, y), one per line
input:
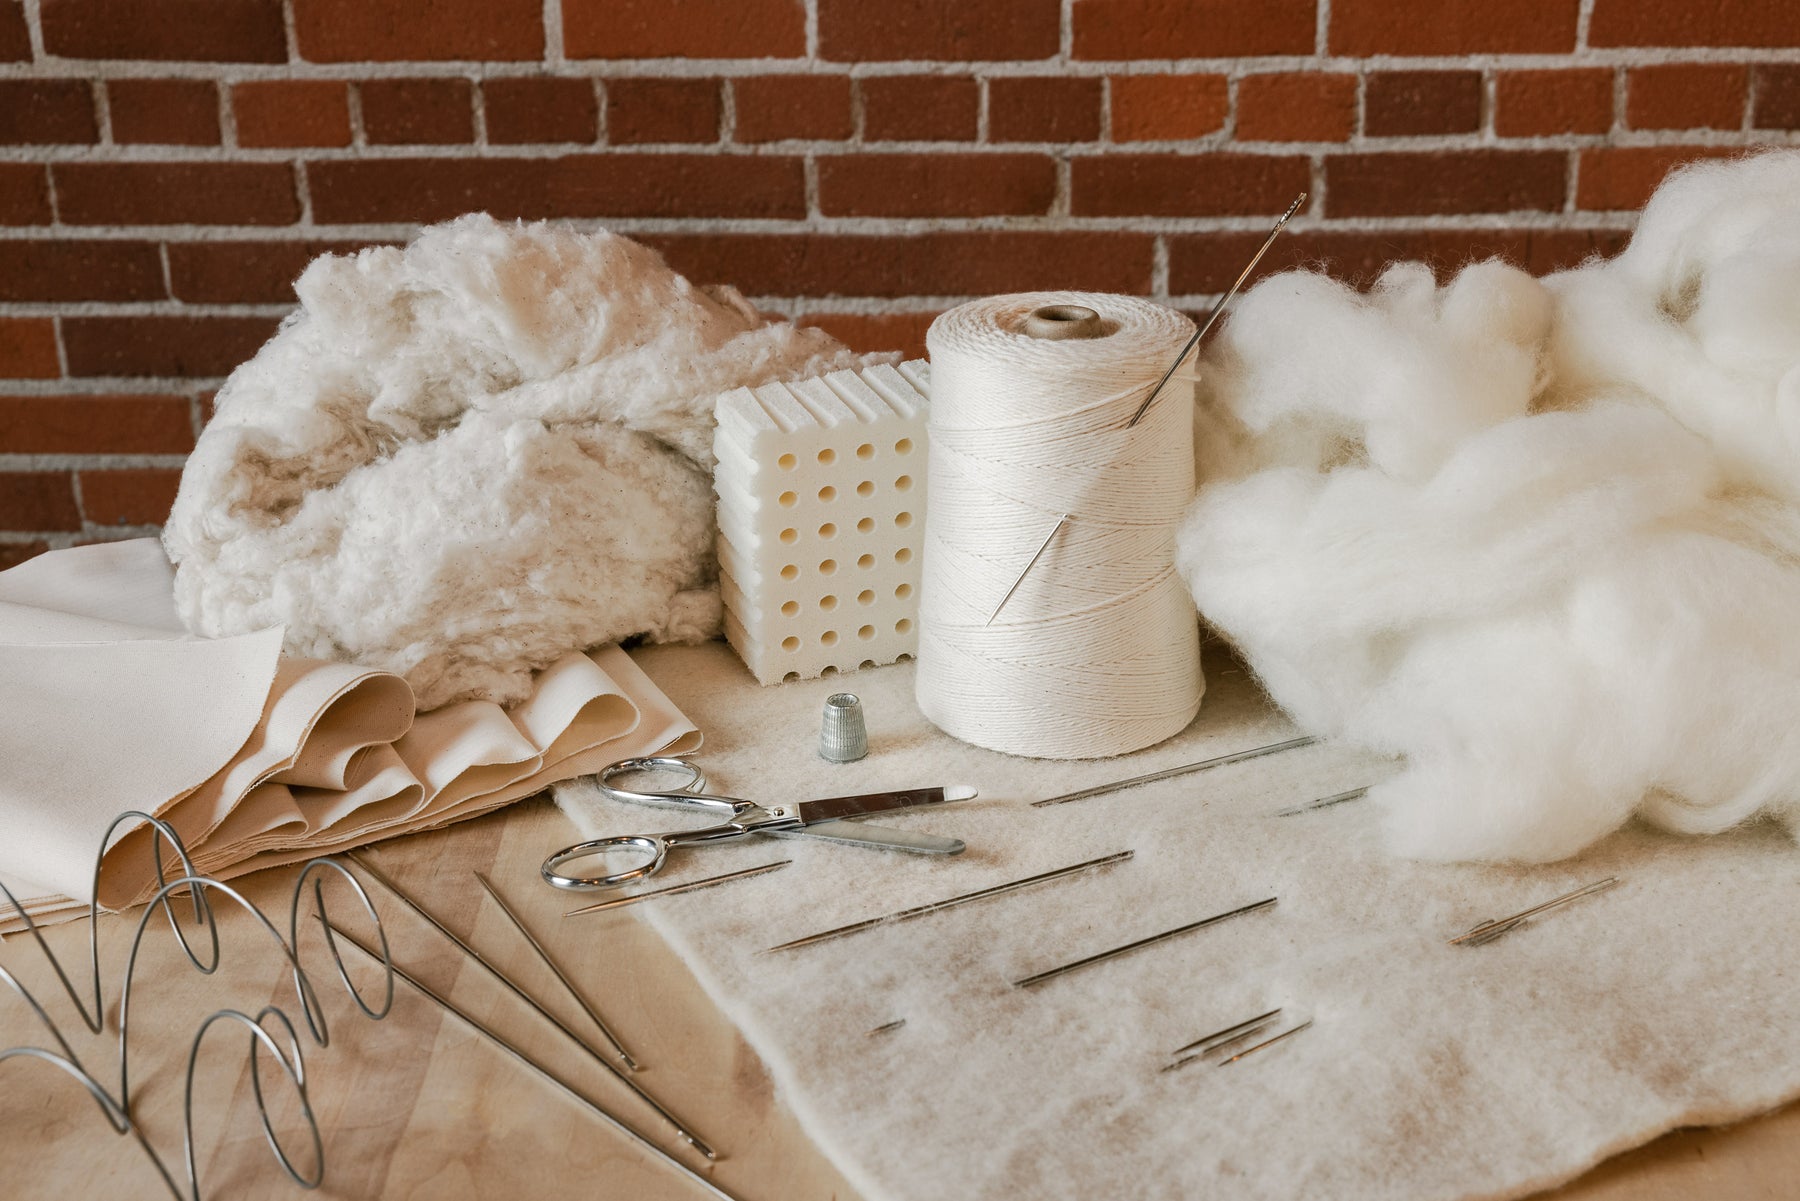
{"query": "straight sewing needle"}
(568, 984)
(1274, 748)
(543, 1073)
(1268, 1042)
(1324, 802)
(1217, 309)
(537, 1007)
(1187, 349)
(965, 898)
(690, 886)
(1103, 956)
(1488, 931)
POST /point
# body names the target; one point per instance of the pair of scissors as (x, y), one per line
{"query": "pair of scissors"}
(813, 819)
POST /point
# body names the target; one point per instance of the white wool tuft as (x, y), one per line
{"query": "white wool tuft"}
(1541, 538)
(461, 459)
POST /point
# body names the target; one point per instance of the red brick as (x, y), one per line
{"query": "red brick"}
(15, 38)
(1151, 108)
(292, 112)
(1527, 103)
(95, 425)
(1184, 185)
(576, 185)
(771, 108)
(216, 31)
(960, 263)
(217, 271)
(1410, 103)
(1299, 106)
(694, 29)
(129, 496)
(169, 112)
(639, 111)
(14, 553)
(39, 112)
(418, 111)
(939, 30)
(176, 193)
(1364, 27)
(870, 333)
(24, 194)
(38, 500)
(59, 270)
(936, 185)
(920, 108)
(540, 110)
(350, 31)
(1777, 103)
(1044, 109)
(1685, 24)
(1206, 264)
(1456, 181)
(1623, 177)
(1125, 29)
(28, 348)
(147, 346)
(1687, 96)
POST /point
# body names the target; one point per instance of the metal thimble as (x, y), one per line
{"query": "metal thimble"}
(842, 736)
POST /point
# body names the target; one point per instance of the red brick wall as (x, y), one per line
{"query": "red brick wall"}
(166, 166)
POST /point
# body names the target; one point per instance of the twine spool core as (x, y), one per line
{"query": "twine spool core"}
(1056, 322)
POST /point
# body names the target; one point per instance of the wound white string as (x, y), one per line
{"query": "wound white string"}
(1098, 652)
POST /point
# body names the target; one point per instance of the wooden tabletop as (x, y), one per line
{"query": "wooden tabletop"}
(420, 1106)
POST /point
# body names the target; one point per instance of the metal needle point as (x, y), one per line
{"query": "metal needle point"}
(568, 984)
(542, 1072)
(1187, 349)
(532, 1002)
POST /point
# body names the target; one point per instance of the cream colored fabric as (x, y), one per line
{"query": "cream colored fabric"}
(252, 758)
(1430, 1072)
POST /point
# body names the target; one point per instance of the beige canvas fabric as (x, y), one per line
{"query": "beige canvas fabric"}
(253, 758)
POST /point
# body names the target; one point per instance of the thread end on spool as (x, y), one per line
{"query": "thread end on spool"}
(1057, 322)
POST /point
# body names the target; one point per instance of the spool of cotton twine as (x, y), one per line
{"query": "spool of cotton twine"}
(1098, 651)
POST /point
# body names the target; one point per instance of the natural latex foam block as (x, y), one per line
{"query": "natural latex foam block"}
(821, 487)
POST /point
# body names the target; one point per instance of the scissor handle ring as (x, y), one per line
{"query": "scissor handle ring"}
(658, 848)
(696, 779)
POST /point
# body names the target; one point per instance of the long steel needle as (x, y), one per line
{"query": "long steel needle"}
(1324, 802)
(542, 1072)
(1187, 349)
(1268, 1042)
(1217, 309)
(568, 984)
(690, 886)
(537, 1007)
(1274, 748)
(964, 899)
(1493, 928)
(1113, 953)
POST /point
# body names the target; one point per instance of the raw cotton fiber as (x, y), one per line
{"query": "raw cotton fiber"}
(1540, 538)
(462, 459)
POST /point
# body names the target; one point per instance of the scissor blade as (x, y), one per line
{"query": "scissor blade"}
(884, 837)
(835, 808)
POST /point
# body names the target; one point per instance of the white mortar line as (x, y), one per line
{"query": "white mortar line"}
(553, 34)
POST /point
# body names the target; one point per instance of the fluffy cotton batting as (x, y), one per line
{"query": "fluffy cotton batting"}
(460, 459)
(1538, 539)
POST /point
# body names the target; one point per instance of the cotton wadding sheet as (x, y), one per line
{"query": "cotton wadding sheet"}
(1430, 1071)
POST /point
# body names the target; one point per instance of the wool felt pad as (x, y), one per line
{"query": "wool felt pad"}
(1430, 1070)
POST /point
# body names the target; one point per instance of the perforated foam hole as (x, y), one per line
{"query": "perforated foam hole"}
(821, 490)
